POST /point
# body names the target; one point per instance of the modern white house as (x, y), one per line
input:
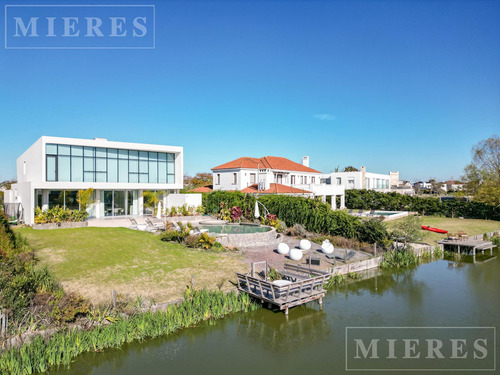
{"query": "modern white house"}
(53, 169)
(275, 175)
(363, 180)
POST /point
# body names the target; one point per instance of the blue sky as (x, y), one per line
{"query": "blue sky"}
(392, 85)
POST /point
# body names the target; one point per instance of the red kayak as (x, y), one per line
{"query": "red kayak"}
(431, 229)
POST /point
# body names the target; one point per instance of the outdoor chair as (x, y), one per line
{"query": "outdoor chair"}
(153, 226)
(133, 223)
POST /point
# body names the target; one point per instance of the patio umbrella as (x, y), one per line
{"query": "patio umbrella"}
(158, 212)
(257, 213)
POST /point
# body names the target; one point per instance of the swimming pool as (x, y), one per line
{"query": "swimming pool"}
(235, 228)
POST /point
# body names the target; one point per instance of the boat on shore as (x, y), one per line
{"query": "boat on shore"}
(432, 229)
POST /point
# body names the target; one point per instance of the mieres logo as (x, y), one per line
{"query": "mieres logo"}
(79, 26)
(420, 349)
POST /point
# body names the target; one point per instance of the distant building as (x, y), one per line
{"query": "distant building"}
(452, 185)
(362, 180)
(423, 185)
(275, 175)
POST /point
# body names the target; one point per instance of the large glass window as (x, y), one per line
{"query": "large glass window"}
(51, 168)
(90, 164)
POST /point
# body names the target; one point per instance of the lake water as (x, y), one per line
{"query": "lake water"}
(311, 339)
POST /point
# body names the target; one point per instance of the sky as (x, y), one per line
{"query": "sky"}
(408, 86)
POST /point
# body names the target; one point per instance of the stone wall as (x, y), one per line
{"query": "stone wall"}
(358, 266)
(80, 224)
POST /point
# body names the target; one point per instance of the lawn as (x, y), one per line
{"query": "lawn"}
(470, 226)
(94, 261)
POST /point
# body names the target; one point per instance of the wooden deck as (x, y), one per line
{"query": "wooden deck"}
(307, 285)
(467, 246)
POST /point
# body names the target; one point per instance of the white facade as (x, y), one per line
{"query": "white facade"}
(362, 180)
(239, 178)
(54, 168)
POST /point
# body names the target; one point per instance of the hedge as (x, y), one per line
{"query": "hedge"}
(312, 214)
(369, 199)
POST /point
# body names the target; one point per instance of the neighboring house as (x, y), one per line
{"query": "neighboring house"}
(452, 185)
(423, 185)
(53, 169)
(275, 175)
(363, 180)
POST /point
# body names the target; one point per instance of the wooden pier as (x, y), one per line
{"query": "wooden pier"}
(466, 246)
(299, 285)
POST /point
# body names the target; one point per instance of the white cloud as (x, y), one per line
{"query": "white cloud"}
(324, 117)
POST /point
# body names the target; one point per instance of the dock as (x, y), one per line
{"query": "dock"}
(466, 246)
(300, 285)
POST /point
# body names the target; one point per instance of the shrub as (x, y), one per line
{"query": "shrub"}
(59, 214)
(206, 241)
(217, 246)
(67, 307)
(297, 230)
(236, 214)
(373, 231)
(273, 274)
(495, 239)
(192, 241)
(174, 235)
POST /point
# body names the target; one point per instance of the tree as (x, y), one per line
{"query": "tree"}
(151, 199)
(482, 175)
(350, 169)
(408, 230)
(7, 184)
(201, 179)
(85, 198)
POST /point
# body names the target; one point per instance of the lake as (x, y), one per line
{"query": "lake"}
(312, 339)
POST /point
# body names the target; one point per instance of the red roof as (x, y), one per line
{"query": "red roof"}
(202, 189)
(268, 162)
(275, 189)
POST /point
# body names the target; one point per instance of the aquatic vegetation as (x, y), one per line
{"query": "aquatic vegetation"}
(399, 259)
(61, 348)
(437, 251)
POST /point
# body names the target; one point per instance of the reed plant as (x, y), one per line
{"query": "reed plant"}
(60, 349)
(399, 259)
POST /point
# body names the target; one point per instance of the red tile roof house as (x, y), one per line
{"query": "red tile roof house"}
(275, 175)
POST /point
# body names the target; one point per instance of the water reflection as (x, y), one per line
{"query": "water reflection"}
(277, 333)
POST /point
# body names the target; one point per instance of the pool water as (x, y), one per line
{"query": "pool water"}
(235, 229)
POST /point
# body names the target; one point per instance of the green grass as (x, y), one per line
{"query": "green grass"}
(94, 261)
(470, 226)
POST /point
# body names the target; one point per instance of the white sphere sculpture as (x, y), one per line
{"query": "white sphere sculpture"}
(305, 244)
(327, 248)
(283, 248)
(295, 254)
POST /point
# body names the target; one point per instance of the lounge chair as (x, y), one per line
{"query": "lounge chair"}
(155, 226)
(371, 213)
(197, 231)
(349, 212)
(133, 224)
(359, 213)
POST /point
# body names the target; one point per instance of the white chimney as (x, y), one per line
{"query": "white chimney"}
(305, 161)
